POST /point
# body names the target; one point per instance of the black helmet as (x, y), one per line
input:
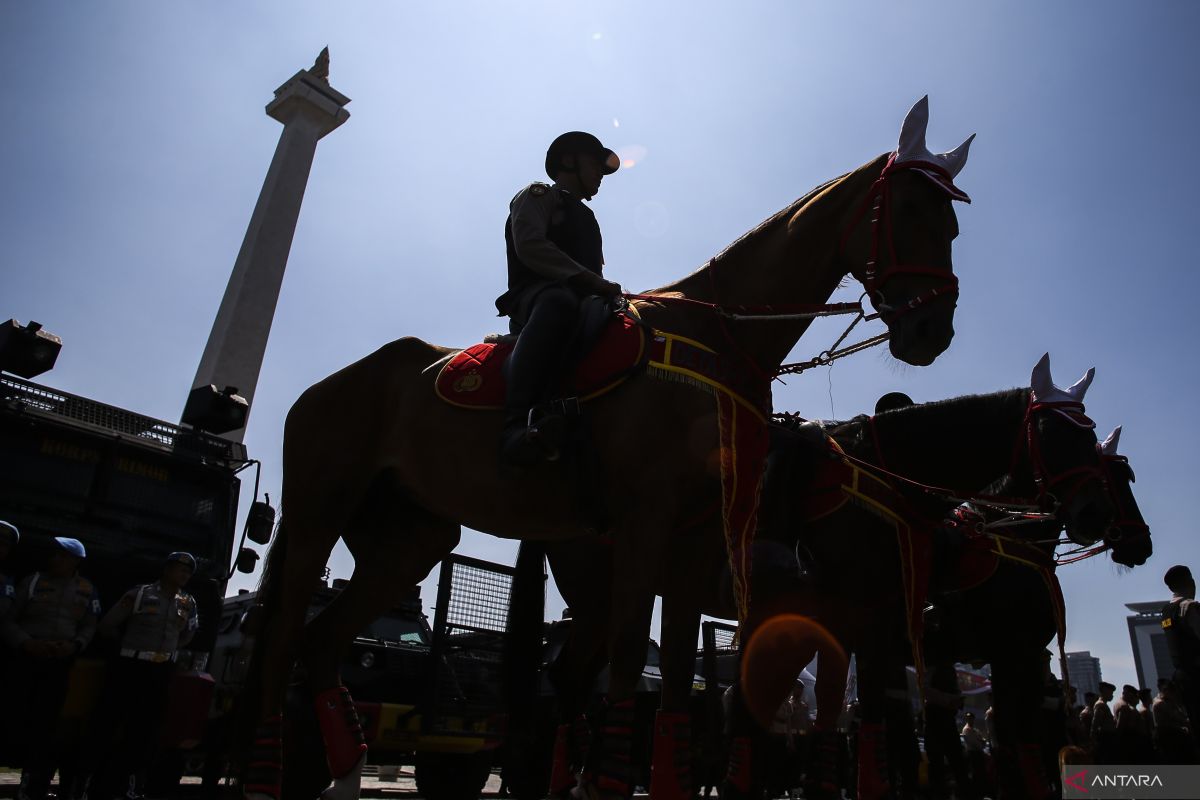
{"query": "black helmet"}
(579, 142)
(180, 557)
(9, 533)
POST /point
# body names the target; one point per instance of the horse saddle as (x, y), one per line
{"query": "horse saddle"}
(606, 348)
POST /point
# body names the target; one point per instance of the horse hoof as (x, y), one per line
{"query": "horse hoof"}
(349, 786)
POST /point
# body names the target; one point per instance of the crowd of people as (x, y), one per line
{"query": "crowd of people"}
(47, 619)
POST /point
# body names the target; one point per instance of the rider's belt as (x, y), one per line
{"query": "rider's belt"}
(154, 656)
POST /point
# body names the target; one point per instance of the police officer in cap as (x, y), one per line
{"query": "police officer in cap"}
(555, 259)
(52, 620)
(152, 622)
(1181, 623)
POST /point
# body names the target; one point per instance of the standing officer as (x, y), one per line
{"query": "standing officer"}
(152, 621)
(1181, 622)
(52, 620)
(9, 537)
(555, 259)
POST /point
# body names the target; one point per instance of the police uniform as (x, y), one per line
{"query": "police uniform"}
(550, 238)
(46, 611)
(555, 259)
(152, 622)
(1181, 624)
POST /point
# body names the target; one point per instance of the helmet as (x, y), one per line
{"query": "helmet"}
(180, 557)
(579, 142)
(72, 546)
(9, 533)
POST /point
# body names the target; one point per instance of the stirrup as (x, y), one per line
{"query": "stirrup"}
(538, 441)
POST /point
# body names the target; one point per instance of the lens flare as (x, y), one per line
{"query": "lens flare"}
(631, 154)
(774, 656)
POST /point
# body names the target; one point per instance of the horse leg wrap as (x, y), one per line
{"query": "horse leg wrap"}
(345, 745)
(1033, 780)
(671, 770)
(872, 761)
(739, 779)
(561, 778)
(264, 769)
(821, 776)
(609, 759)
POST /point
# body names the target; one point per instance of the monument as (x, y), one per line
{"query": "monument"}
(309, 108)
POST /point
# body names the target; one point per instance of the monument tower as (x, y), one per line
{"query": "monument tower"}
(309, 108)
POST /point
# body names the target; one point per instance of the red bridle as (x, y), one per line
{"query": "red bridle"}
(1126, 520)
(1046, 482)
(879, 202)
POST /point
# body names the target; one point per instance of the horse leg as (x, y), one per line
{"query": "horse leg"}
(1017, 693)
(385, 560)
(637, 552)
(294, 565)
(671, 763)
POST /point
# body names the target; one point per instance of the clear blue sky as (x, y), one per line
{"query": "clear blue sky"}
(135, 144)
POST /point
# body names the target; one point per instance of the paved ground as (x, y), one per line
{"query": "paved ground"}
(402, 786)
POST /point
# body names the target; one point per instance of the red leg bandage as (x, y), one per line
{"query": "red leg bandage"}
(872, 762)
(671, 771)
(264, 769)
(561, 779)
(343, 735)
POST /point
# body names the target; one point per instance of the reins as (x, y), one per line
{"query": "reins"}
(879, 202)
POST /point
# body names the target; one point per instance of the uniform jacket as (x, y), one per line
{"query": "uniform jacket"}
(50, 608)
(550, 237)
(149, 618)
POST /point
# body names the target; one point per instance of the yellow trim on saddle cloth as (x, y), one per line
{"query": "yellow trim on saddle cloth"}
(668, 370)
(904, 541)
(741, 471)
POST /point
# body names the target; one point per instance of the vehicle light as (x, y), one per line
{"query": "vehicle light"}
(367, 660)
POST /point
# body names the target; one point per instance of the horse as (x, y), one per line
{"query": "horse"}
(975, 621)
(372, 455)
(965, 441)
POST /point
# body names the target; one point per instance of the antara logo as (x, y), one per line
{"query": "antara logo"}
(1076, 781)
(1124, 781)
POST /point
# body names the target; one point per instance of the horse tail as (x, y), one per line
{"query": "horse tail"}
(523, 648)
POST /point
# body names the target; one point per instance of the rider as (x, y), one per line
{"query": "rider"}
(555, 259)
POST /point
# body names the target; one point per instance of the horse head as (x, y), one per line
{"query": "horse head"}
(1129, 536)
(899, 242)
(1064, 457)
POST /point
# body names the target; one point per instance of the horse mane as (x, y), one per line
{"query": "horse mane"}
(857, 437)
(757, 232)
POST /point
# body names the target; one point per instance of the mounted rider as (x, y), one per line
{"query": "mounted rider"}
(555, 260)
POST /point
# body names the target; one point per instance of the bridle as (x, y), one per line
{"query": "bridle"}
(1126, 520)
(1049, 485)
(882, 234)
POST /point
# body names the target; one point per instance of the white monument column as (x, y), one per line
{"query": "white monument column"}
(309, 108)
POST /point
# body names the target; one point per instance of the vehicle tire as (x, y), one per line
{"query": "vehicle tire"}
(452, 776)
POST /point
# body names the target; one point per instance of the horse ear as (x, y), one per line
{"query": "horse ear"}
(956, 159)
(912, 133)
(1109, 445)
(1080, 388)
(1041, 382)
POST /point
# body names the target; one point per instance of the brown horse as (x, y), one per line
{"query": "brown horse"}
(371, 455)
(850, 557)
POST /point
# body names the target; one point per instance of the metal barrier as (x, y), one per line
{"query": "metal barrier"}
(466, 659)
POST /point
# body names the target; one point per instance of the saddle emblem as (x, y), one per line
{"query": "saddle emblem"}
(469, 382)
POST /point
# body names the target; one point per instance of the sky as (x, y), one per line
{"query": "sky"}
(136, 145)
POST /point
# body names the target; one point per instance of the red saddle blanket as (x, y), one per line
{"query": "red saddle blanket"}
(474, 378)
